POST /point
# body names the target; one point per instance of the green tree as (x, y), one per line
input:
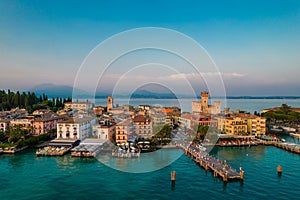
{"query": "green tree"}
(285, 108)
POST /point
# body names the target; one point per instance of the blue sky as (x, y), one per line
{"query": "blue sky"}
(46, 41)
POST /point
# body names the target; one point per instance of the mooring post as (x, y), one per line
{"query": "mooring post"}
(279, 170)
(242, 174)
(173, 176)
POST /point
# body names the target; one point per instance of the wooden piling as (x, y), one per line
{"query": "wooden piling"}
(279, 169)
(173, 176)
(242, 175)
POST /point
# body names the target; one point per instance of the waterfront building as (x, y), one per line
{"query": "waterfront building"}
(256, 125)
(123, 130)
(44, 124)
(142, 126)
(203, 106)
(241, 122)
(235, 126)
(75, 128)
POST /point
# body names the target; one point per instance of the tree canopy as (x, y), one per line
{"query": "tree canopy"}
(30, 101)
(285, 113)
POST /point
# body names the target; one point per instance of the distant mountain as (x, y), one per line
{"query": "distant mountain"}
(154, 95)
(53, 90)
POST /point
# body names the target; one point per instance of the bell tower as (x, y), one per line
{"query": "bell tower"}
(109, 103)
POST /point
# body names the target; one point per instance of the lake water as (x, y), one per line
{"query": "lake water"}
(25, 176)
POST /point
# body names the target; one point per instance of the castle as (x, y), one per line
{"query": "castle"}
(202, 107)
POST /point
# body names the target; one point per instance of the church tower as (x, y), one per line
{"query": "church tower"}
(109, 103)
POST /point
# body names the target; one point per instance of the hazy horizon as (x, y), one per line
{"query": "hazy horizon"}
(254, 44)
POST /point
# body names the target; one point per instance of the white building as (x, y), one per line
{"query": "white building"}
(75, 128)
(184, 122)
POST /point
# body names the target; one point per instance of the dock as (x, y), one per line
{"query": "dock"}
(291, 147)
(219, 167)
(88, 148)
(53, 151)
(12, 150)
(57, 147)
(85, 150)
(296, 135)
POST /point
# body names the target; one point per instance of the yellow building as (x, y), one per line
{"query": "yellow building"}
(123, 131)
(235, 126)
(240, 123)
(256, 125)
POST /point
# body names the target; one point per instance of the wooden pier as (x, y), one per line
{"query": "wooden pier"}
(294, 148)
(219, 167)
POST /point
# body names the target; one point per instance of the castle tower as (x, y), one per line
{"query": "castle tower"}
(204, 101)
(109, 103)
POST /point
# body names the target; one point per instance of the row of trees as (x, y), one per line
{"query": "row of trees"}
(29, 101)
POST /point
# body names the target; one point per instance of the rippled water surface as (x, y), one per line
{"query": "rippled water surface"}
(25, 176)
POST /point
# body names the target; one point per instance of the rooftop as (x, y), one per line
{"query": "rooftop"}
(140, 118)
(77, 120)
